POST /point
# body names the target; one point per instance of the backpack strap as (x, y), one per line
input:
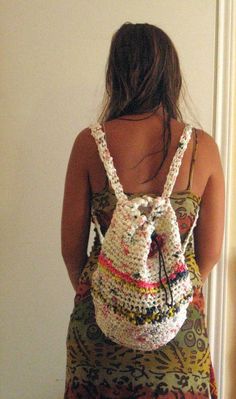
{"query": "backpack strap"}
(107, 160)
(176, 161)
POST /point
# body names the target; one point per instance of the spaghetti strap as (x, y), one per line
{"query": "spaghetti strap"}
(189, 187)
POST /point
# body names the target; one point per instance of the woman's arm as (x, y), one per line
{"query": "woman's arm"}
(208, 235)
(75, 220)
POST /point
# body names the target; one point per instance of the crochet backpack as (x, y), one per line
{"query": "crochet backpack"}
(141, 287)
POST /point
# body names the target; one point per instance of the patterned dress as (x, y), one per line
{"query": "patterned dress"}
(98, 368)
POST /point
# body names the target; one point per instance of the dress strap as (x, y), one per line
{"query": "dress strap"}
(193, 160)
(176, 161)
(107, 160)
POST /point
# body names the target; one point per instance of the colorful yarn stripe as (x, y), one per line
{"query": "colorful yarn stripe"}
(134, 287)
(153, 315)
(106, 263)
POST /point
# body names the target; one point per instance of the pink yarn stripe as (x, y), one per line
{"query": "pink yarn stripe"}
(106, 263)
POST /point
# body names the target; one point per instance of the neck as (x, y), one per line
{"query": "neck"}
(145, 115)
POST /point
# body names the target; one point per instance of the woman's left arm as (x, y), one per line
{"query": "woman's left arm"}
(75, 220)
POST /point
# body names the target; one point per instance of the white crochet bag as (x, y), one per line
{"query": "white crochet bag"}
(141, 287)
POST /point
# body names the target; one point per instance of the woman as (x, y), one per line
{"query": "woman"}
(143, 125)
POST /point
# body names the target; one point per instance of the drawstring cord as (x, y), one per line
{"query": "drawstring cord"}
(162, 265)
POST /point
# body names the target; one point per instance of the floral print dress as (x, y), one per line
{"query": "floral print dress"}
(99, 368)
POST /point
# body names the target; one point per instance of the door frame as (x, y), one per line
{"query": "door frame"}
(216, 287)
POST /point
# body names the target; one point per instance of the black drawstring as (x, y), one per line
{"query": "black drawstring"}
(162, 264)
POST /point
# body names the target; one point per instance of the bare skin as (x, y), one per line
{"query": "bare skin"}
(128, 143)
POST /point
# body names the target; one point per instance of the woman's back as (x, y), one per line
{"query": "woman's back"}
(136, 147)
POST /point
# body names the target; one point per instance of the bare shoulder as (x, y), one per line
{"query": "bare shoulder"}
(83, 137)
(205, 138)
(208, 150)
(84, 144)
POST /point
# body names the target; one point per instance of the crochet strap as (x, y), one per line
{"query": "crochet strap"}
(176, 161)
(100, 138)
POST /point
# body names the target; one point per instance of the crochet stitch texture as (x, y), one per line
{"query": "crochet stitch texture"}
(141, 287)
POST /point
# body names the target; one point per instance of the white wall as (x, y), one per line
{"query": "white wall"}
(52, 74)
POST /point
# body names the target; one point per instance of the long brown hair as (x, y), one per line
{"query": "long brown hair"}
(142, 74)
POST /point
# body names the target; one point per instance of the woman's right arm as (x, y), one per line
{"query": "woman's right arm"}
(208, 234)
